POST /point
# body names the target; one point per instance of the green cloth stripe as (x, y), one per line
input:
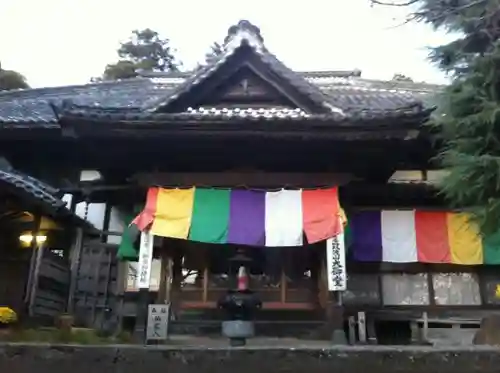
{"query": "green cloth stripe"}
(210, 220)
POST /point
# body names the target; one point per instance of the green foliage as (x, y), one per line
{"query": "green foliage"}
(467, 121)
(10, 79)
(121, 70)
(467, 19)
(469, 127)
(75, 336)
(146, 51)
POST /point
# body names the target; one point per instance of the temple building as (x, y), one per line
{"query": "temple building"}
(320, 182)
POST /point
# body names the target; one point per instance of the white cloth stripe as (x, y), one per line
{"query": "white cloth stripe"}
(284, 218)
(399, 238)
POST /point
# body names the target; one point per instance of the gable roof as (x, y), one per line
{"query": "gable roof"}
(337, 92)
(244, 41)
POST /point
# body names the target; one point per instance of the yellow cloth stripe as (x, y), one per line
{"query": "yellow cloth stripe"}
(465, 242)
(174, 209)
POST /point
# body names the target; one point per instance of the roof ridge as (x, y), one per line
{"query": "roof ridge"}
(330, 73)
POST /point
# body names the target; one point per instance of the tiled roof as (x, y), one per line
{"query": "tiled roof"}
(33, 187)
(32, 106)
(338, 91)
(42, 195)
(69, 111)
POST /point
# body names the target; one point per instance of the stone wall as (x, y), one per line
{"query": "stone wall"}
(18, 358)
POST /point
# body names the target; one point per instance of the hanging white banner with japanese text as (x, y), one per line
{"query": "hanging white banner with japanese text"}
(335, 263)
(145, 260)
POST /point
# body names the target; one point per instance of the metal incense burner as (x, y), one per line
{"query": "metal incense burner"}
(239, 305)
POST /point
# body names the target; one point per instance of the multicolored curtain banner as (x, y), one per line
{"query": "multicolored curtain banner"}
(243, 217)
(420, 236)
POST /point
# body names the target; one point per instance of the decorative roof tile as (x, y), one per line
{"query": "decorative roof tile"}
(249, 112)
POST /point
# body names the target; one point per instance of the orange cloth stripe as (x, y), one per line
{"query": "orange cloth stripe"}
(320, 214)
(146, 216)
(432, 237)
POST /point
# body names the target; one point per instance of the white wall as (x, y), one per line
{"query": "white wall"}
(116, 224)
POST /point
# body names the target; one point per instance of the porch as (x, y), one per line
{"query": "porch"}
(37, 232)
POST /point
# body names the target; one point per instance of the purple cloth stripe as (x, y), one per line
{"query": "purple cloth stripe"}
(247, 218)
(366, 236)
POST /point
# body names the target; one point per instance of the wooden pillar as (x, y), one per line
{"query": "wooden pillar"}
(34, 252)
(283, 284)
(76, 253)
(177, 277)
(169, 265)
(162, 288)
(36, 275)
(322, 283)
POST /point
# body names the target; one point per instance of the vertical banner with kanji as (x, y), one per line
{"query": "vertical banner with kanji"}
(145, 260)
(335, 262)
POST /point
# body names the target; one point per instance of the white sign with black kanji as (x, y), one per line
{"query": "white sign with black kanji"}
(335, 263)
(158, 318)
(145, 260)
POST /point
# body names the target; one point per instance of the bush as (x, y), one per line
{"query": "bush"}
(7, 315)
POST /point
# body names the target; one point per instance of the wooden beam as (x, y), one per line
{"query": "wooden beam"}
(243, 179)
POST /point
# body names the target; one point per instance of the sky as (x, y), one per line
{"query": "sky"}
(63, 42)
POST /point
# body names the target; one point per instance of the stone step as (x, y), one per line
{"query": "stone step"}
(262, 328)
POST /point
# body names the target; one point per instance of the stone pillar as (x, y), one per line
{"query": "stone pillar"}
(335, 314)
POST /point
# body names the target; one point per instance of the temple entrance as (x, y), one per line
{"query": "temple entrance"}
(286, 278)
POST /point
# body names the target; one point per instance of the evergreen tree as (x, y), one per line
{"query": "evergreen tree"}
(146, 51)
(467, 119)
(10, 79)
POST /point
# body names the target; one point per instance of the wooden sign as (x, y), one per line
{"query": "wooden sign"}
(158, 319)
